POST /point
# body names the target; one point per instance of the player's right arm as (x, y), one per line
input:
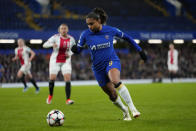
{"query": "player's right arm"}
(78, 47)
(32, 54)
(16, 56)
(50, 42)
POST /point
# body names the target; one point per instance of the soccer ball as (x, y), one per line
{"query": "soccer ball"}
(55, 118)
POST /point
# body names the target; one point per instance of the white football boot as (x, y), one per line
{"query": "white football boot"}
(126, 115)
(135, 113)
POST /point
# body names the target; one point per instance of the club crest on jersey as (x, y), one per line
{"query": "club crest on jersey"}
(107, 36)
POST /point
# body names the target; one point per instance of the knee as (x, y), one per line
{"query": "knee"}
(67, 78)
(114, 81)
(19, 75)
(52, 77)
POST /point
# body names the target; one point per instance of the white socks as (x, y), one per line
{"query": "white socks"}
(124, 93)
(119, 104)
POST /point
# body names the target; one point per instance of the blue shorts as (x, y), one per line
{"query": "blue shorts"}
(102, 75)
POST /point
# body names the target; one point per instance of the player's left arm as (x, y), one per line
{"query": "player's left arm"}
(128, 38)
(77, 48)
(73, 43)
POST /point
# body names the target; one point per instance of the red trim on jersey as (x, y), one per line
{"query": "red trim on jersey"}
(64, 44)
(20, 56)
(171, 57)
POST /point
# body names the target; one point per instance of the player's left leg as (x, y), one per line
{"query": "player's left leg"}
(33, 82)
(66, 72)
(114, 76)
(67, 79)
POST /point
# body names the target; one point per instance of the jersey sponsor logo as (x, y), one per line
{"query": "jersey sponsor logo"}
(93, 47)
(100, 46)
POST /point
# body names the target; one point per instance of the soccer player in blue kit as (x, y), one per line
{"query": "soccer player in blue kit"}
(106, 64)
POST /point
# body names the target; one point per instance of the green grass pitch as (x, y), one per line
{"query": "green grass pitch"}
(163, 107)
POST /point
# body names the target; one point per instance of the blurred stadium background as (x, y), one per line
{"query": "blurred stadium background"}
(152, 23)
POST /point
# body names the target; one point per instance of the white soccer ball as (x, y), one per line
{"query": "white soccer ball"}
(55, 118)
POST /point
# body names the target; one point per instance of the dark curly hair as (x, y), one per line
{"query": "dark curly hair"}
(98, 13)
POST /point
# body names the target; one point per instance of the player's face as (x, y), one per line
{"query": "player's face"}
(63, 30)
(20, 43)
(171, 46)
(93, 25)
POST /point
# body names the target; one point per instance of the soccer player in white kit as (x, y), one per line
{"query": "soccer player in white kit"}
(60, 60)
(22, 53)
(172, 61)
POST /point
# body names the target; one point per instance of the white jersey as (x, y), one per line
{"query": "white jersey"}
(172, 61)
(63, 50)
(23, 54)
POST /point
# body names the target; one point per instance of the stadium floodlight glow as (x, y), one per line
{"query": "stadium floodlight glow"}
(194, 41)
(178, 41)
(36, 41)
(155, 41)
(137, 41)
(9, 41)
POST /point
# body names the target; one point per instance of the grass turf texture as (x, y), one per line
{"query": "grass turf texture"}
(170, 107)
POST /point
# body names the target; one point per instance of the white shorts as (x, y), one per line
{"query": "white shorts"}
(172, 67)
(26, 68)
(65, 68)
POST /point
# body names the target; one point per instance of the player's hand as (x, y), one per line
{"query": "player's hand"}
(29, 61)
(74, 49)
(13, 59)
(143, 56)
(55, 45)
(66, 55)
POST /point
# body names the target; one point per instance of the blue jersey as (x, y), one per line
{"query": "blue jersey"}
(101, 45)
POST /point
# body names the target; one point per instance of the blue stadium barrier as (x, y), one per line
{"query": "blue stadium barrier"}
(49, 51)
(142, 35)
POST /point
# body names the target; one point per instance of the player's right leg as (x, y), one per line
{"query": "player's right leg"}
(111, 92)
(51, 88)
(21, 77)
(67, 79)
